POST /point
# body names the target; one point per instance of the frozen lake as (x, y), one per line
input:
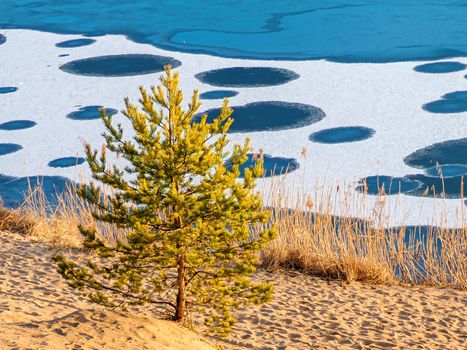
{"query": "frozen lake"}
(386, 105)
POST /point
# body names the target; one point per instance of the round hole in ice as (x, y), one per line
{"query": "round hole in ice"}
(119, 65)
(247, 76)
(269, 116)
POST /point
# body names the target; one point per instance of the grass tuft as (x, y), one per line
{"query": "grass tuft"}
(311, 236)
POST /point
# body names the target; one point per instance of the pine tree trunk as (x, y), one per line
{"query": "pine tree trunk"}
(181, 302)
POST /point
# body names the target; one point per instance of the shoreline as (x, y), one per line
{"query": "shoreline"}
(305, 312)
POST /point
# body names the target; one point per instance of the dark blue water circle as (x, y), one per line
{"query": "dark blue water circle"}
(456, 95)
(387, 185)
(90, 113)
(218, 94)
(447, 170)
(342, 134)
(446, 106)
(119, 65)
(247, 76)
(269, 116)
(17, 125)
(66, 162)
(64, 55)
(339, 30)
(440, 67)
(448, 187)
(13, 189)
(75, 43)
(447, 152)
(7, 89)
(2, 39)
(7, 148)
(272, 166)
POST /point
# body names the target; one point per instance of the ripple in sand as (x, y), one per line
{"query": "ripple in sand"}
(387, 185)
(119, 65)
(7, 148)
(75, 43)
(17, 125)
(273, 166)
(440, 67)
(66, 162)
(90, 113)
(342, 134)
(247, 76)
(218, 94)
(270, 116)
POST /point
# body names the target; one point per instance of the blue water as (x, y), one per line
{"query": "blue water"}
(446, 106)
(342, 134)
(75, 43)
(2, 39)
(90, 113)
(456, 95)
(449, 187)
(447, 170)
(218, 94)
(419, 185)
(14, 189)
(7, 89)
(387, 185)
(269, 116)
(17, 125)
(119, 65)
(447, 152)
(66, 162)
(7, 148)
(440, 67)
(453, 102)
(272, 166)
(338, 30)
(247, 76)
(445, 166)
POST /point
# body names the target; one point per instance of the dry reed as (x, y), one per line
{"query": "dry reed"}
(317, 234)
(311, 236)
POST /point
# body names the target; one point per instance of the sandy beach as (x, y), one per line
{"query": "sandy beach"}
(311, 313)
(39, 311)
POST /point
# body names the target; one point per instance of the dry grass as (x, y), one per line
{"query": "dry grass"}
(14, 221)
(57, 225)
(311, 237)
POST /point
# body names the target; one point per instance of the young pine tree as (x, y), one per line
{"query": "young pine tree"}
(187, 220)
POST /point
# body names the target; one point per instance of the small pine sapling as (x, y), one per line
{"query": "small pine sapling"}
(191, 230)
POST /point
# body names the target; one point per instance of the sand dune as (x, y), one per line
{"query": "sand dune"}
(38, 311)
(310, 313)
